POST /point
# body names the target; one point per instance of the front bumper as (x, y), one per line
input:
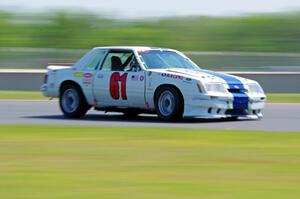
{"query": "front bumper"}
(213, 107)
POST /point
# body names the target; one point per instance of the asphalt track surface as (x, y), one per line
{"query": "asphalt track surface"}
(277, 117)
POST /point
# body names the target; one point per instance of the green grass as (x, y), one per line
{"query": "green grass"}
(286, 98)
(78, 163)
(22, 95)
(34, 95)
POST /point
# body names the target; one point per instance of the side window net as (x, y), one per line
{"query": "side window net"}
(117, 61)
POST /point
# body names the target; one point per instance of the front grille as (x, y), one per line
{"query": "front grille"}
(237, 90)
(240, 102)
(240, 98)
(236, 112)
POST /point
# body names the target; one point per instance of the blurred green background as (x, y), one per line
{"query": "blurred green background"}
(262, 42)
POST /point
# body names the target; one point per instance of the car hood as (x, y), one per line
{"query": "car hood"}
(205, 75)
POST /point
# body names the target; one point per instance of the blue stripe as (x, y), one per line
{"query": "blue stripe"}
(240, 100)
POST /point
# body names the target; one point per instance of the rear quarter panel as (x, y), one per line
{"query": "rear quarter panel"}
(57, 77)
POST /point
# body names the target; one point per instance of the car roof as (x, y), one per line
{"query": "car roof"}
(134, 48)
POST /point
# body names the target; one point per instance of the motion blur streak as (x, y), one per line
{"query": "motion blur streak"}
(269, 33)
(33, 40)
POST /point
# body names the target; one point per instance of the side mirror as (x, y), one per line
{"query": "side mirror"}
(134, 66)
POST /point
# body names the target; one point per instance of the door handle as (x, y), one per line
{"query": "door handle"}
(100, 76)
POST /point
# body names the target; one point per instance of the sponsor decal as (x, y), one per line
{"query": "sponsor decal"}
(87, 81)
(172, 76)
(80, 74)
(87, 75)
(77, 74)
(135, 78)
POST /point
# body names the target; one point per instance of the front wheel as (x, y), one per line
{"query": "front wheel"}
(72, 102)
(169, 104)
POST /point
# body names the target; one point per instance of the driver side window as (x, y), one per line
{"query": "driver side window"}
(91, 60)
(120, 61)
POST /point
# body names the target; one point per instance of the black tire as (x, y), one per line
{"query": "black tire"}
(234, 119)
(171, 98)
(79, 108)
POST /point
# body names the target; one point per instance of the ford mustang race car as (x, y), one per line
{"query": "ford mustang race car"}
(136, 80)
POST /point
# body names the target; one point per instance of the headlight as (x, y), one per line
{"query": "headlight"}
(255, 88)
(215, 87)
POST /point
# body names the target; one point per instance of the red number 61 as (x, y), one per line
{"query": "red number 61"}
(114, 86)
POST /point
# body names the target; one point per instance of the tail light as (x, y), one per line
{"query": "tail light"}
(45, 78)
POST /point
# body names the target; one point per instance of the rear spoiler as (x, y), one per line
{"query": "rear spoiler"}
(60, 64)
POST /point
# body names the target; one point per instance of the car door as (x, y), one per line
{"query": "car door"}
(136, 86)
(116, 84)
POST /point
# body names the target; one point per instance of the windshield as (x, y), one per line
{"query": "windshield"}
(157, 59)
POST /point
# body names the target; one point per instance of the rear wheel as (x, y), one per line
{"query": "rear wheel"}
(72, 102)
(169, 104)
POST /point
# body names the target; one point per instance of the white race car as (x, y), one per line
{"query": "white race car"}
(136, 80)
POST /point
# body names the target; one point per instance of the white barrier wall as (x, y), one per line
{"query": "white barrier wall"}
(272, 82)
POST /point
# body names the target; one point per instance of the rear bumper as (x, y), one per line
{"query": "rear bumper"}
(49, 90)
(45, 90)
